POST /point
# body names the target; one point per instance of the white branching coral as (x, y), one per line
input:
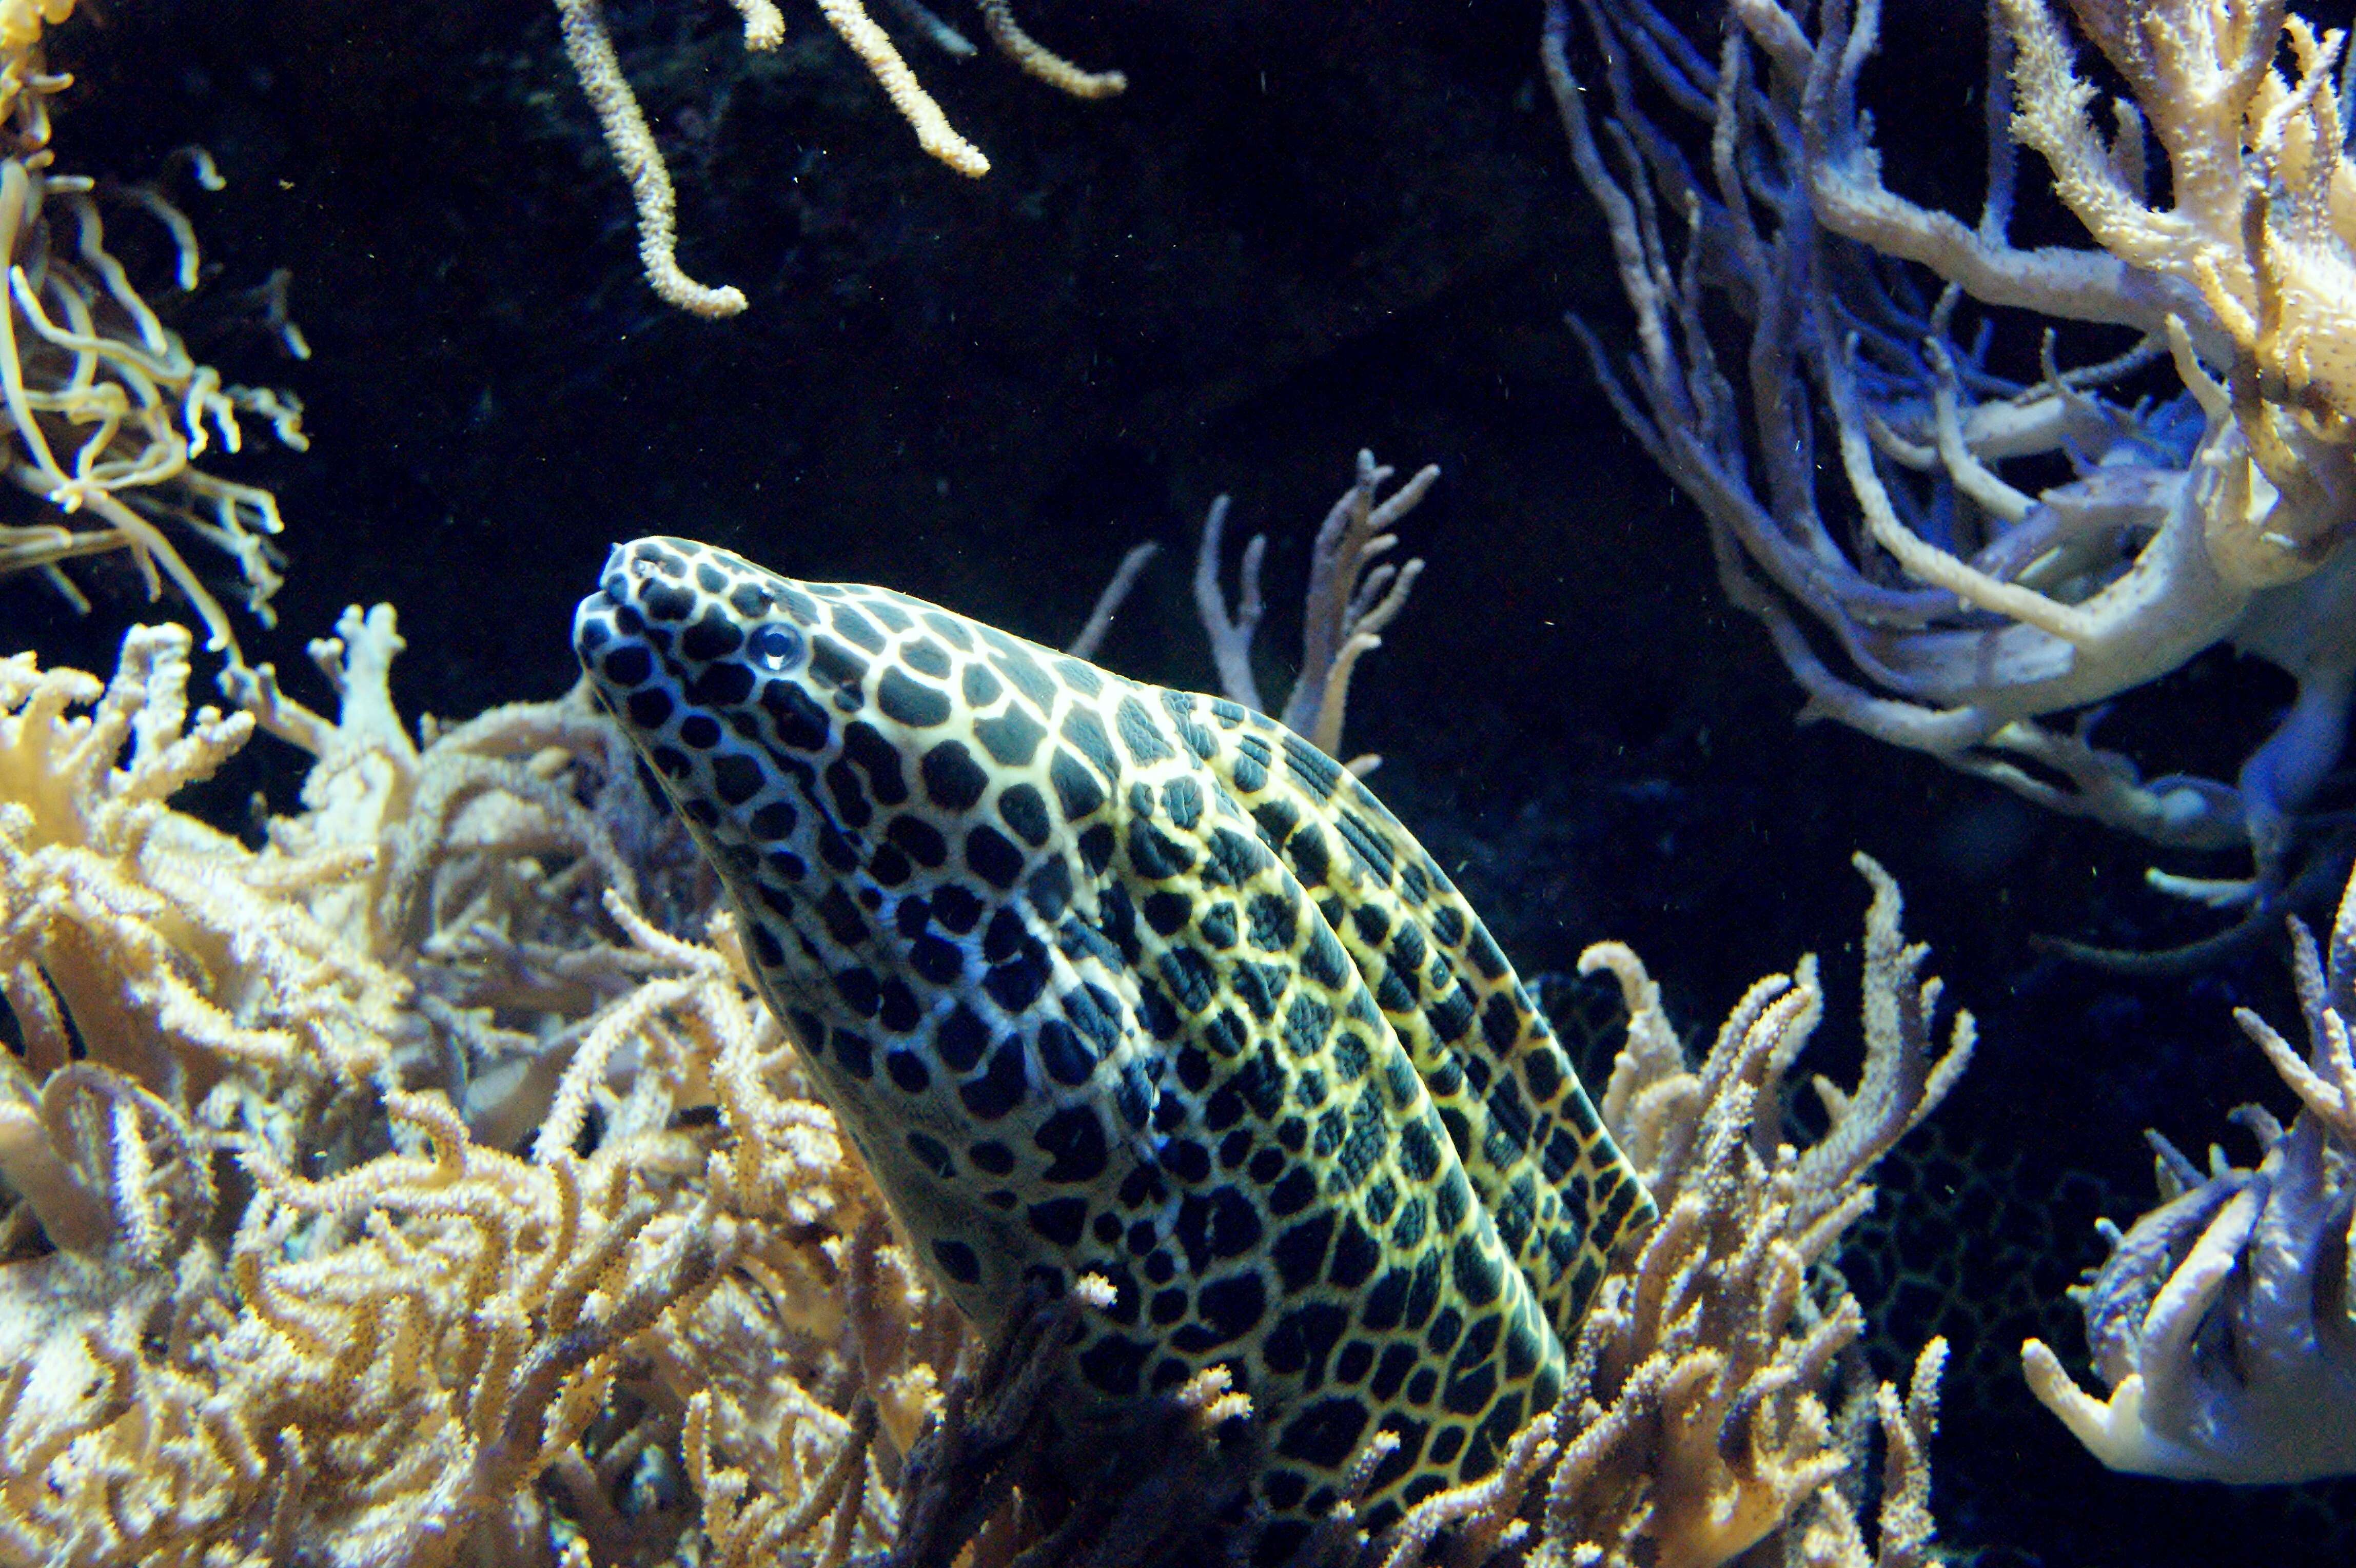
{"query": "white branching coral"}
(1352, 595)
(2221, 1322)
(1981, 600)
(155, 948)
(2261, 222)
(590, 48)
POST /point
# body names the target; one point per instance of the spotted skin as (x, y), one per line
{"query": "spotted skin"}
(1108, 979)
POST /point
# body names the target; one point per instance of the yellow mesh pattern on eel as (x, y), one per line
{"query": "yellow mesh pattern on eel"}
(1108, 979)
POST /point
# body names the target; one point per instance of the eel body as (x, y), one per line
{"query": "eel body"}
(1104, 978)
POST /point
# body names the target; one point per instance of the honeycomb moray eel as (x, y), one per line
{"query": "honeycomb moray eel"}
(1108, 979)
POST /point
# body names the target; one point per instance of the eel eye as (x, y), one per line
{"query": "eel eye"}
(774, 647)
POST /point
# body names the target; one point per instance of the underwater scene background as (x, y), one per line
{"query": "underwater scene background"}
(1299, 232)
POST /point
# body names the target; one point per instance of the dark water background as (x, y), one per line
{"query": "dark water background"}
(1303, 231)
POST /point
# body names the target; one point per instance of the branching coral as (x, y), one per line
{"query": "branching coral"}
(990, 1484)
(390, 1354)
(413, 1194)
(272, 1274)
(1353, 594)
(1981, 598)
(2221, 1322)
(1696, 1424)
(590, 48)
(154, 946)
(107, 408)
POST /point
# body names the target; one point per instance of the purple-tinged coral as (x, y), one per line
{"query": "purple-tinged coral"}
(1945, 592)
(2221, 1321)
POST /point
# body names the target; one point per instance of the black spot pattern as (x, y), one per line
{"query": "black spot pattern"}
(1076, 789)
(1073, 1139)
(993, 856)
(1011, 738)
(911, 701)
(1099, 979)
(953, 779)
(1021, 807)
